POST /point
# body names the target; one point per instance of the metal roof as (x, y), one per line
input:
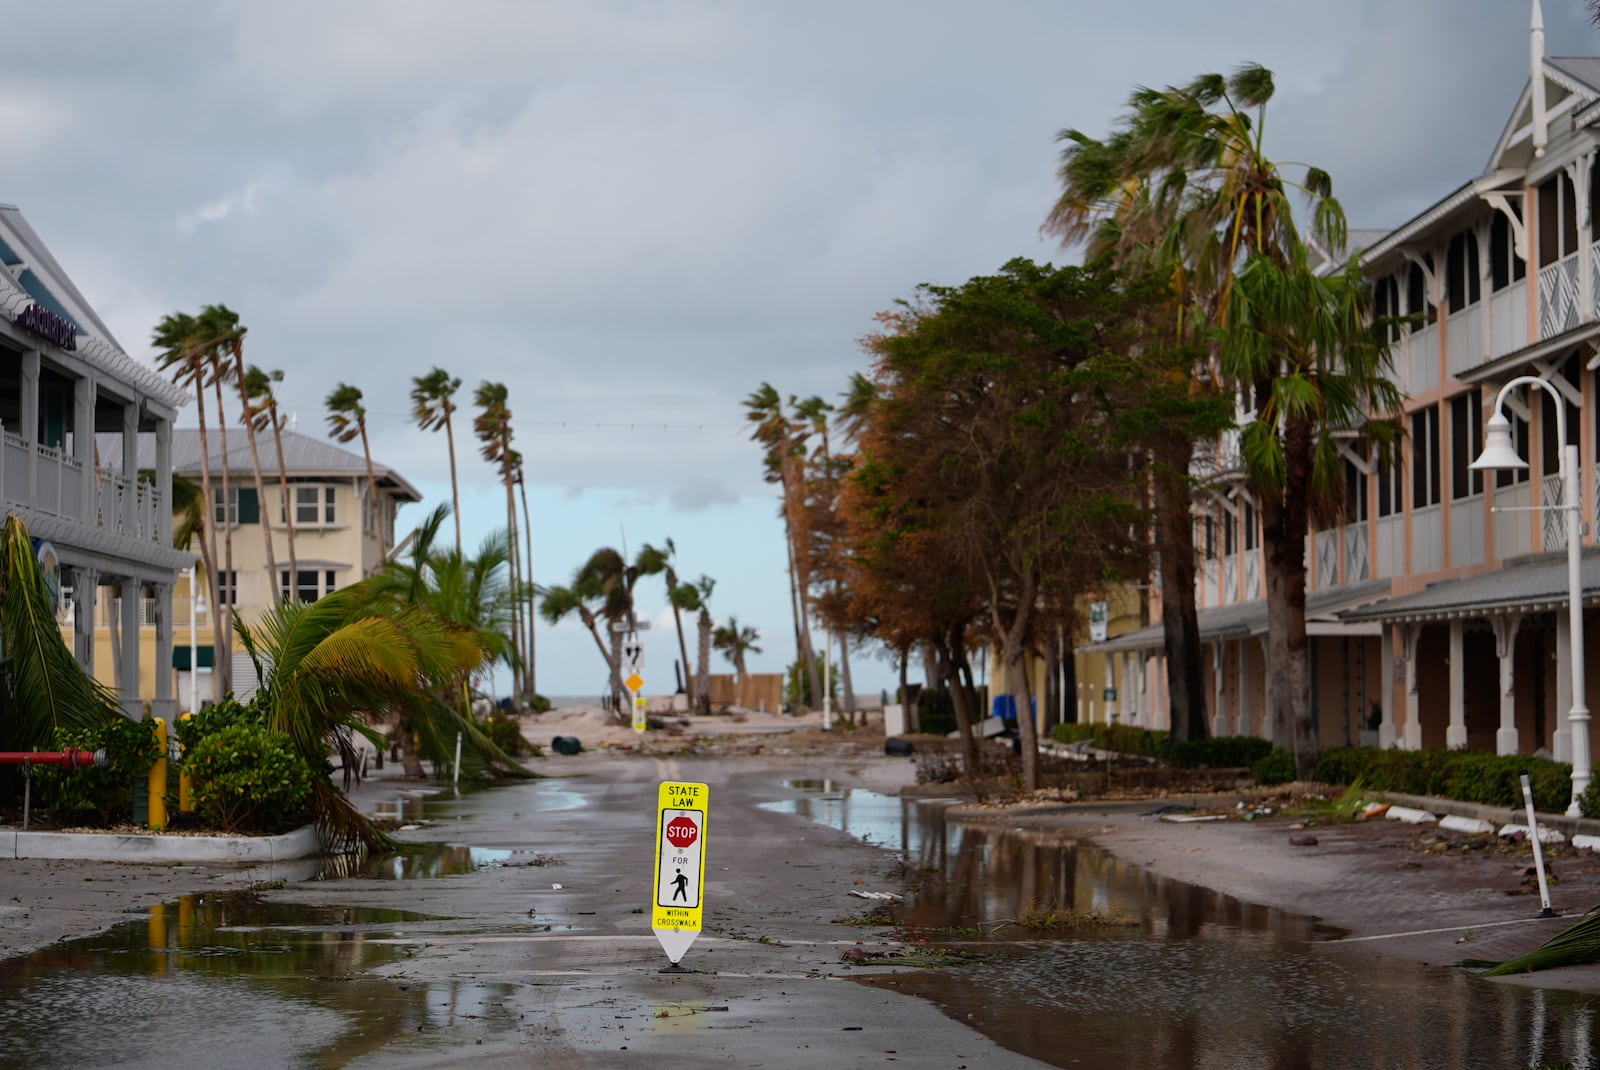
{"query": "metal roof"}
(1584, 69)
(305, 457)
(1534, 584)
(1243, 619)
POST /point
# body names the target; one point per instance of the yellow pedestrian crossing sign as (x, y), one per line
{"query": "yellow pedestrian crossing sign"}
(680, 866)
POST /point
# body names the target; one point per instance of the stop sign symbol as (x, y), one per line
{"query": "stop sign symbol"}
(682, 831)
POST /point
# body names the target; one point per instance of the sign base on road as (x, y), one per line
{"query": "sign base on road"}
(676, 942)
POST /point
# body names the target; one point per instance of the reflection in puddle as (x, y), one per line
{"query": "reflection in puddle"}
(419, 861)
(227, 979)
(1189, 978)
(465, 800)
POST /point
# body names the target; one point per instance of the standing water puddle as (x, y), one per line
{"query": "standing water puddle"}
(1176, 976)
(228, 980)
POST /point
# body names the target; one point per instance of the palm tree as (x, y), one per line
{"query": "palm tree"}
(228, 333)
(183, 356)
(328, 666)
(735, 641)
(492, 425)
(824, 484)
(678, 601)
(525, 603)
(612, 578)
(214, 328)
(764, 408)
(432, 406)
(702, 675)
(264, 412)
(1186, 189)
(586, 600)
(347, 420)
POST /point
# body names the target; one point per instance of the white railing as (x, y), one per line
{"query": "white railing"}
(1508, 313)
(1422, 360)
(1327, 558)
(1252, 574)
(1230, 577)
(1427, 538)
(1513, 535)
(1391, 545)
(1554, 520)
(1467, 531)
(1466, 339)
(1558, 296)
(1357, 563)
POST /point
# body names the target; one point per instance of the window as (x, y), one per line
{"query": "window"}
(243, 506)
(1230, 532)
(1425, 457)
(1558, 219)
(1210, 538)
(1388, 487)
(1505, 266)
(1549, 440)
(1355, 494)
(228, 587)
(1386, 308)
(1463, 282)
(1466, 442)
(314, 506)
(305, 588)
(1252, 535)
(1418, 307)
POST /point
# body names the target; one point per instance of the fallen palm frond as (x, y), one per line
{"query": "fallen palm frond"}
(1577, 946)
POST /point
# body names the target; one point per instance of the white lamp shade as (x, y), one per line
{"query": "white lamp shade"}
(1499, 450)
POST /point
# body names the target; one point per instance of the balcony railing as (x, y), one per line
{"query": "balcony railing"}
(116, 503)
(1558, 296)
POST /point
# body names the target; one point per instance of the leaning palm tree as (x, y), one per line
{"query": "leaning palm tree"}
(735, 641)
(327, 667)
(347, 421)
(492, 425)
(1184, 191)
(525, 601)
(223, 323)
(433, 406)
(216, 327)
(50, 691)
(264, 412)
(585, 600)
(183, 355)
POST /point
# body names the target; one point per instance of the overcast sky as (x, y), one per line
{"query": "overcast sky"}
(633, 213)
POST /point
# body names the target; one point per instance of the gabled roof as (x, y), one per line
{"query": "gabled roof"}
(305, 457)
(30, 275)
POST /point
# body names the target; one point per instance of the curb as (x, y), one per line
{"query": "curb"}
(159, 849)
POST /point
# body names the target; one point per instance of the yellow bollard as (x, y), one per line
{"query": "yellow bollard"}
(158, 937)
(185, 783)
(158, 780)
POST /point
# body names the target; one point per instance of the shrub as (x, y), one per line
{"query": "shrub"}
(1589, 801)
(131, 748)
(248, 779)
(1222, 752)
(1276, 768)
(192, 728)
(1469, 776)
(505, 732)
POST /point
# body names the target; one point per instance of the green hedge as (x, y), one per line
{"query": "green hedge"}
(106, 791)
(1466, 776)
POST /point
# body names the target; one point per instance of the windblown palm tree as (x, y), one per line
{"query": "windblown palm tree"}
(264, 412)
(347, 420)
(735, 641)
(433, 406)
(223, 323)
(585, 600)
(492, 425)
(183, 355)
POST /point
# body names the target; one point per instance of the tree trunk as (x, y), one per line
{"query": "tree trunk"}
(849, 696)
(289, 506)
(950, 656)
(677, 619)
(1180, 625)
(410, 755)
(531, 674)
(518, 678)
(1286, 562)
(222, 651)
(909, 708)
(221, 672)
(1014, 635)
(255, 465)
(616, 675)
(455, 486)
(377, 503)
(703, 673)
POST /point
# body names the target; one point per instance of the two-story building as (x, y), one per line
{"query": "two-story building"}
(1437, 606)
(336, 542)
(65, 386)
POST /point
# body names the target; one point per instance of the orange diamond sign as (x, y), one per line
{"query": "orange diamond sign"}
(634, 682)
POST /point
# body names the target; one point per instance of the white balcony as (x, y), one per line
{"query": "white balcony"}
(1558, 297)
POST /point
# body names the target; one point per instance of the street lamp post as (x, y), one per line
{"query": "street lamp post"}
(1500, 451)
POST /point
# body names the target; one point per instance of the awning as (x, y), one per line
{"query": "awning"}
(1536, 584)
(1513, 363)
(180, 657)
(1244, 619)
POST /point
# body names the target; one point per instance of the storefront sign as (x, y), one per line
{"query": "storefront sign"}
(47, 324)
